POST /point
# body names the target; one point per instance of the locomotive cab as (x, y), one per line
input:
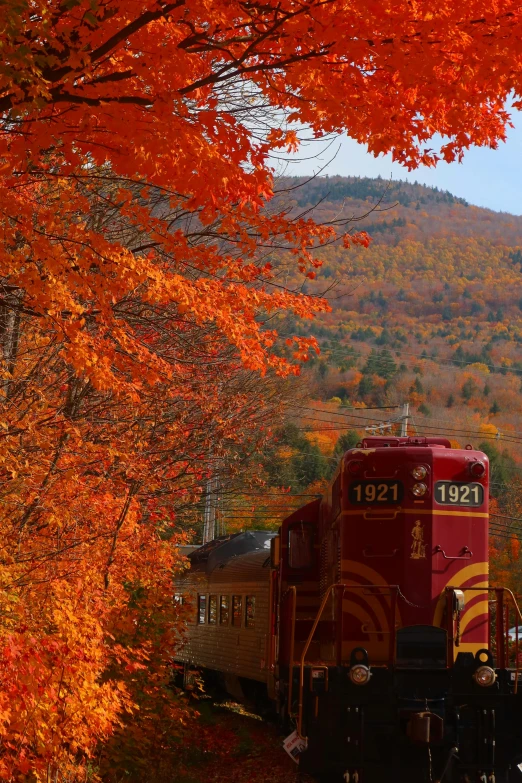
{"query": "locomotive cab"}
(393, 657)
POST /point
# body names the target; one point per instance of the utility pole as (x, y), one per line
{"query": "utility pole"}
(383, 426)
(404, 419)
(209, 517)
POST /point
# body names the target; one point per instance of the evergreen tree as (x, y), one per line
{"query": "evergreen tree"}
(372, 364)
(468, 390)
(365, 386)
(380, 363)
(346, 441)
(417, 387)
(307, 463)
(322, 370)
(502, 467)
(387, 366)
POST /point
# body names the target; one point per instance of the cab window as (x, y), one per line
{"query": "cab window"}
(301, 546)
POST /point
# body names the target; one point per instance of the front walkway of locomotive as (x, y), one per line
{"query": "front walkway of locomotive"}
(396, 658)
(409, 725)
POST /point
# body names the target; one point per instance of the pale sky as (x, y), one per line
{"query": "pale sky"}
(487, 178)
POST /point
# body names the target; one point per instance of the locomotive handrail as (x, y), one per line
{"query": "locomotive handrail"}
(389, 514)
(502, 661)
(519, 614)
(305, 650)
(366, 553)
(327, 595)
(467, 553)
(291, 591)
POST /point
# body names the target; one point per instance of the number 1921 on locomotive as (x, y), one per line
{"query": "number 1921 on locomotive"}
(452, 493)
(376, 492)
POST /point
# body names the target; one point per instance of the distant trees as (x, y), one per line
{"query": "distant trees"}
(380, 363)
(294, 460)
(348, 440)
(363, 188)
(468, 389)
(503, 468)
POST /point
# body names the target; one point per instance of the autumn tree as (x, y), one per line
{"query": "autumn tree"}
(143, 268)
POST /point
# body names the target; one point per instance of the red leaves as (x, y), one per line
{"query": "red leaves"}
(145, 262)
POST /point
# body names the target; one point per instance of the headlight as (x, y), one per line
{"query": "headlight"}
(359, 674)
(477, 469)
(419, 489)
(419, 472)
(485, 676)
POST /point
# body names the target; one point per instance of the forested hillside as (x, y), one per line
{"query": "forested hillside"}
(430, 314)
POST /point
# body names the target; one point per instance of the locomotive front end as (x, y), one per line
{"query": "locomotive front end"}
(401, 667)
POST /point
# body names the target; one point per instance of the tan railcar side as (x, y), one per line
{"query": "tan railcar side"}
(230, 649)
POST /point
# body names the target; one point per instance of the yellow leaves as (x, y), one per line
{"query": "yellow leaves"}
(483, 369)
(324, 440)
(488, 429)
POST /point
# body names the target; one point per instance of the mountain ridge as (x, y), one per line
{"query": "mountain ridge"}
(430, 313)
(396, 209)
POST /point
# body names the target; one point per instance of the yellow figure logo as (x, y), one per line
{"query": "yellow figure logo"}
(418, 547)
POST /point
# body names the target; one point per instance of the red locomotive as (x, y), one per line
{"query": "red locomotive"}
(372, 622)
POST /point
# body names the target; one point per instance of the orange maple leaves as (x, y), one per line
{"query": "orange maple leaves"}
(144, 268)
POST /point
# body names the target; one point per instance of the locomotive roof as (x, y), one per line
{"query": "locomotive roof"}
(376, 441)
(220, 550)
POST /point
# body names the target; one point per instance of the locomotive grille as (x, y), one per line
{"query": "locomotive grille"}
(422, 646)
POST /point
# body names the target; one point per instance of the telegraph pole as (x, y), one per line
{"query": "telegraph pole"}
(404, 419)
(383, 426)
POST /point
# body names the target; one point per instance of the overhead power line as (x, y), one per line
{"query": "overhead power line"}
(453, 362)
(469, 431)
(432, 431)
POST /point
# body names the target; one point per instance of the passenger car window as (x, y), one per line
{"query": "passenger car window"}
(250, 611)
(236, 610)
(212, 609)
(202, 609)
(224, 610)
